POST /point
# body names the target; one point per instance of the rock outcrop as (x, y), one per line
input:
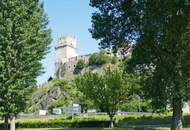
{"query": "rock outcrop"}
(53, 94)
(45, 94)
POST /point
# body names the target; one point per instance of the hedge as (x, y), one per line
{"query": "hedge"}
(60, 123)
(63, 124)
(98, 121)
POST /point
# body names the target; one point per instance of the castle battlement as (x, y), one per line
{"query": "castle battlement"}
(67, 40)
(74, 59)
(65, 49)
(67, 69)
(66, 56)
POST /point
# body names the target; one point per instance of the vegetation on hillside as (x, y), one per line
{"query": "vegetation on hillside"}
(40, 95)
(101, 58)
(80, 64)
(69, 95)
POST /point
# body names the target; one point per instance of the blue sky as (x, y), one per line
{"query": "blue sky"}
(71, 17)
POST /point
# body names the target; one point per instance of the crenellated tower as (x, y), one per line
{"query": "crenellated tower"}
(64, 50)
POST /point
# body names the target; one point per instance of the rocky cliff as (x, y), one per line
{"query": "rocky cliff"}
(48, 93)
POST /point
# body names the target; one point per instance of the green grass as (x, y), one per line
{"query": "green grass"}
(79, 129)
(127, 121)
(167, 128)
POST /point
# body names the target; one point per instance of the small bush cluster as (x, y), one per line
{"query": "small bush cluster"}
(80, 64)
(100, 59)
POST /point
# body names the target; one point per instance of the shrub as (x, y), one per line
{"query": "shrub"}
(61, 102)
(63, 123)
(114, 60)
(93, 59)
(99, 59)
(80, 64)
(103, 58)
(98, 121)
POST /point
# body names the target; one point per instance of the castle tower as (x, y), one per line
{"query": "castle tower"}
(64, 49)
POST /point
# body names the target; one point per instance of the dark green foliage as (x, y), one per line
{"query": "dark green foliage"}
(93, 59)
(160, 30)
(24, 41)
(114, 60)
(80, 64)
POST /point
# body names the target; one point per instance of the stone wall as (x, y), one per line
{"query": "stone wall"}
(67, 69)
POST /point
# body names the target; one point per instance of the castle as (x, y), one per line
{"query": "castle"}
(65, 49)
(66, 56)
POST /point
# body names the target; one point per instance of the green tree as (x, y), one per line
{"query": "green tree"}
(107, 90)
(93, 60)
(160, 32)
(24, 40)
(84, 101)
(136, 105)
(61, 103)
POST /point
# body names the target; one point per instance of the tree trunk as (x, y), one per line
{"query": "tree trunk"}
(12, 122)
(111, 122)
(6, 122)
(177, 116)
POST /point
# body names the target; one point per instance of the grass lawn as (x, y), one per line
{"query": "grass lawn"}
(163, 128)
(166, 128)
(78, 129)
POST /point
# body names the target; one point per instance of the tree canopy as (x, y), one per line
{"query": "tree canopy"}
(24, 40)
(107, 90)
(159, 31)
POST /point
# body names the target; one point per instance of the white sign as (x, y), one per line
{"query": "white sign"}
(91, 111)
(74, 109)
(57, 111)
(42, 112)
